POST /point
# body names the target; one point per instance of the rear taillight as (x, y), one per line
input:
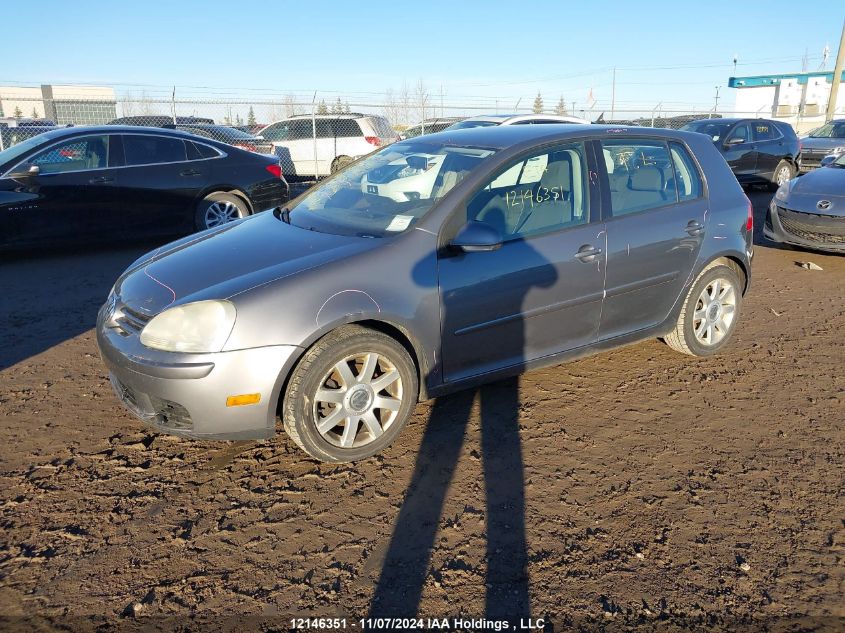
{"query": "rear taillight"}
(373, 140)
(749, 222)
(247, 146)
(276, 170)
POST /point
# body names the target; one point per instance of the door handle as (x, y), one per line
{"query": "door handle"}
(588, 253)
(695, 228)
(100, 180)
(189, 172)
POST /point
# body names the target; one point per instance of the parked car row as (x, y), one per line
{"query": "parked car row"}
(111, 183)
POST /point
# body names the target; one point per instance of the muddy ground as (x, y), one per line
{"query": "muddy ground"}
(659, 490)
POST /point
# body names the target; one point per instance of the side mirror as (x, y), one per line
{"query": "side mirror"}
(475, 237)
(23, 171)
(734, 141)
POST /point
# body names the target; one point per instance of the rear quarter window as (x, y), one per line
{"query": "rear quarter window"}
(687, 177)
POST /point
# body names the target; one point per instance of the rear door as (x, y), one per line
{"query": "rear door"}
(75, 196)
(160, 184)
(770, 147)
(655, 226)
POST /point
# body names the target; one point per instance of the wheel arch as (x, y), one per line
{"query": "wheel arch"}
(230, 189)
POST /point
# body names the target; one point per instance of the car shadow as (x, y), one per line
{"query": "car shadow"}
(407, 562)
(52, 296)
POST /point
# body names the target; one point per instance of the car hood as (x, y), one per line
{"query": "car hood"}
(809, 142)
(222, 262)
(826, 183)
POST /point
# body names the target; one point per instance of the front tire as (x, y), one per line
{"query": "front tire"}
(350, 395)
(710, 312)
(219, 208)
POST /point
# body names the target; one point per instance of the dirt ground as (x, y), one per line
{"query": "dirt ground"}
(641, 489)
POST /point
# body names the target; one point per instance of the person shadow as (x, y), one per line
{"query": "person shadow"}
(484, 284)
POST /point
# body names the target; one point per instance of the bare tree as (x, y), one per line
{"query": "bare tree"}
(422, 100)
(405, 103)
(290, 106)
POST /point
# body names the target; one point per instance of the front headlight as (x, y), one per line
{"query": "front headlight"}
(783, 192)
(199, 327)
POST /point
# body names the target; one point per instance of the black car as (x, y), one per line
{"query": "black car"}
(160, 120)
(110, 183)
(759, 151)
(226, 134)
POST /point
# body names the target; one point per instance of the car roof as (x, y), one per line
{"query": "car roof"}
(112, 129)
(502, 136)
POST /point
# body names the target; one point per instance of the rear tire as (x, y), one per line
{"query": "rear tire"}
(710, 312)
(350, 395)
(784, 172)
(220, 208)
(339, 163)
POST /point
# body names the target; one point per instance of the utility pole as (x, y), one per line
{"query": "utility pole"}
(716, 105)
(441, 100)
(837, 77)
(613, 96)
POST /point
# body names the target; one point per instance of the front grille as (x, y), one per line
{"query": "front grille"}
(813, 227)
(129, 321)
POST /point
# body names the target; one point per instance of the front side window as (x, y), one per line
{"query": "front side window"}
(276, 132)
(641, 175)
(77, 154)
(541, 193)
(150, 150)
(740, 134)
(387, 192)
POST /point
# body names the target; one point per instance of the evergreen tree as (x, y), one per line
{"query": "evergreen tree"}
(322, 108)
(34, 113)
(250, 117)
(561, 106)
(538, 104)
(17, 113)
(337, 107)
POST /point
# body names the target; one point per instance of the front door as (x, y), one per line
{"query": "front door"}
(740, 151)
(74, 196)
(541, 292)
(655, 227)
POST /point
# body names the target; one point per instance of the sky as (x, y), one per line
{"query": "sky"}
(490, 55)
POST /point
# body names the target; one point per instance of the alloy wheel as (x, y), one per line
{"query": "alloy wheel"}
(783, 175)
(357, 400)
(221, 212)
(715, 311)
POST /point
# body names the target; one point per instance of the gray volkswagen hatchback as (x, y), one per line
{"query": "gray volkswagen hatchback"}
(435, 264)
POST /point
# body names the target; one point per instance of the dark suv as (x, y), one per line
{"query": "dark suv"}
(759, 151)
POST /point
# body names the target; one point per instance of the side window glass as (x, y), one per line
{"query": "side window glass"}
(543, 193)
(300, 129)
(87, 152)
(742, 133)
(346, 128)
(325, 129)
(151, 150)
(687, 177)
(642, 175)
(763, 131)
(275, 132)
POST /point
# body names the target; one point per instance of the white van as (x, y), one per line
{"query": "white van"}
(340, 138)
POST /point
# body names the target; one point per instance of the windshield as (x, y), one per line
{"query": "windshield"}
(387, 192)
(462, 125)
(839, 162)
(830, 130)
(17, 151)
(712, 128)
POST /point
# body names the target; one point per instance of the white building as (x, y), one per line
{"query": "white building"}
(799, 98)
(80, 105)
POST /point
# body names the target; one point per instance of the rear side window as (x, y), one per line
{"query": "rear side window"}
(347, 128)
(198, 151)
(764, 131)
(687, 178)
(151, 150)
(641, 175)
(300, 129)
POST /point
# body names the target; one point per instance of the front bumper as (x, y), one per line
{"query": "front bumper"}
(185, 394)
(807, 230)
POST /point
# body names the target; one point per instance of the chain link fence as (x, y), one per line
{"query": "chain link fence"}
(312, 138)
